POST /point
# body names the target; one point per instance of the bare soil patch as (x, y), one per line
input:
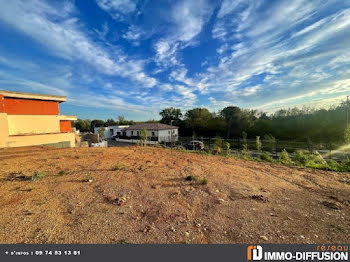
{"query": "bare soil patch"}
(144, 195)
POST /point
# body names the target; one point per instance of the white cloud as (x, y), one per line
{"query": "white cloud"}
(133, 34)
(118, 9)
(228, 6)
(282, 49)
(62, 35)
(185, 23)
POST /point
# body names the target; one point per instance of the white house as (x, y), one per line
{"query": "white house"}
(111, 130)
(156, 132)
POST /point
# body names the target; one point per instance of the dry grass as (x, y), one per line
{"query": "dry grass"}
(151, 201)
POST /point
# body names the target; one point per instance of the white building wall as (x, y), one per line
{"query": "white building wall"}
(163, 135)
(110, 130)
(166, 136)
(138, 132)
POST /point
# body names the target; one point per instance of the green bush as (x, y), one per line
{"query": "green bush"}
(284, 158)
(218, 145)
(300, 158)
(246, 155)
(345, 165)
(307, 159)
(227, 147)
(333, 165)
(37, 175)
(265, 157)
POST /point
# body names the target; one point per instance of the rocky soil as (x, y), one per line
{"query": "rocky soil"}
(151, 195)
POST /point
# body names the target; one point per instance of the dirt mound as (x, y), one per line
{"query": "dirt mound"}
(143, 195)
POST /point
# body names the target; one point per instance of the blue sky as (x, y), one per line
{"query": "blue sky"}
(133, 58)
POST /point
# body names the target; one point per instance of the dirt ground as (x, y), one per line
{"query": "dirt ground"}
(82, 199)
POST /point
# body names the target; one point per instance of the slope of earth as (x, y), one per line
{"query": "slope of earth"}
(141, 195)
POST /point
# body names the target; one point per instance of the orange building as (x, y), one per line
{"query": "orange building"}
(28, 119)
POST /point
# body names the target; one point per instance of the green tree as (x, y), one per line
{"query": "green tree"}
(82, 125)
(101, 133)
(110, 122)
(169, 114)
(123, 121)
(96, 123)
(231, 114)
(197, 120)
(143, 136)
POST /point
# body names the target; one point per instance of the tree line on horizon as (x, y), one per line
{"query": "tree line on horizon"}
(294, 124)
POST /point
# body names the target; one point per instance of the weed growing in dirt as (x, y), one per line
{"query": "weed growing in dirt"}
(333, 165)
(201, 181)
(345, 165)
(63, 172)
(339, 228)
(306, 159)
(204, 181)
(265, 157)
(284, 158)
(246, 155)
(120, 166)
(37, 175)
(124, 241)
(191, 178)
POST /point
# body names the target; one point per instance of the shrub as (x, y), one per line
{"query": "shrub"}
(218, 145)
(306, 159)
(101, 133)
(270, 142)
(143, 136)
(284, 158)
(345, 165)
(37, 175)
(217, 151)
(333, 165)
(300, 158)
(265, 157)
(246, 155)
(258, 144)
(227, 147)
(204, 181)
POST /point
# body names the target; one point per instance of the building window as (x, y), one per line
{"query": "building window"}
(168, 132)
(138, 132)
(153, 134)
(132, 133)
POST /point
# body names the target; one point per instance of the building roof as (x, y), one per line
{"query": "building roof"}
(150, 126)
(32, 96)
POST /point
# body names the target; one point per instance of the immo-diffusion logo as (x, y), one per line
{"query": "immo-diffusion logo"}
(254, 252)
(332, 253)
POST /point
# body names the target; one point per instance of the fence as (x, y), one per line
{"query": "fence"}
(328, 150)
